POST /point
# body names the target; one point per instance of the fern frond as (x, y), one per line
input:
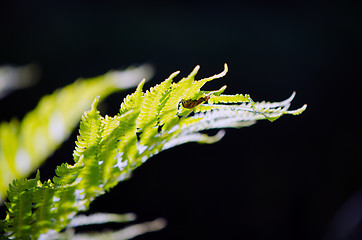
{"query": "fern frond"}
(89, 130)
(66, 174)
(108, 149)
(68, 201)
(151, 102)
(172, 99)
(127, 129)
(25, 145)
(20, 208)
(43, 204)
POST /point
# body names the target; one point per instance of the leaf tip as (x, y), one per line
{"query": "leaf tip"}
(37, 175)
(194, 72)
(95, 102)
(300, 110)
(142, 82)
(226, 68)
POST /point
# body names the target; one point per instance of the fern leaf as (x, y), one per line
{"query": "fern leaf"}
(25, 145)
(8, 148)
(89, 130)
(113, 159)
(43, 205)
(132, 101)
(171, 102)
(20, 208)
(67, 203)
(66, 174)
(108, 149)
(197, 85)
(90, 137)
(21, 227)
(152, 99)
(127, 129)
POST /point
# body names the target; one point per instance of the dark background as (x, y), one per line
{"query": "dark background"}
(281, 180)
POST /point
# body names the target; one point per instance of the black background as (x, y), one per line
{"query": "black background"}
(281, 180)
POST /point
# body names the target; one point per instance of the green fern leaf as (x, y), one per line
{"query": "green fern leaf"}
(89, 130)
(20, 208)
(108, 149)
(66, 174)
(90, 137)
(43, 205)
(171, 101)
(127, 129)
(152, 99)
(25, 145)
